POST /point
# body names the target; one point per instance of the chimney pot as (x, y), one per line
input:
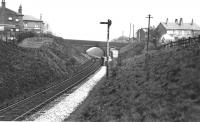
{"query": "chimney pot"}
(181, 21)
(40, 16)
(192, 22)
(176, 21)
(20, 9)
(167, 21)
(3, 3)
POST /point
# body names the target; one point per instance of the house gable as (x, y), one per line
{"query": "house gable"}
(161, 28)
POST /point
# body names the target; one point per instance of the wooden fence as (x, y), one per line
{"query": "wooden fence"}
(189, 42)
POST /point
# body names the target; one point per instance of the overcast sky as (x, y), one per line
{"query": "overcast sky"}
(79, 19)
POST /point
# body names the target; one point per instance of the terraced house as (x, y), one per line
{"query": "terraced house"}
(178, 29)
(12, 23)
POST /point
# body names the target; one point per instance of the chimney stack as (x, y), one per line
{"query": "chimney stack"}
(3, 4)
(176, 21)
(192, 22)
(181, 21)
(40, 16)
(167, 21)
(20, 9)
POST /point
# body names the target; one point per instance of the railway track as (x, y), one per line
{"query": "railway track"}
(24, 108)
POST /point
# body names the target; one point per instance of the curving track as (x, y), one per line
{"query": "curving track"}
(30, 105)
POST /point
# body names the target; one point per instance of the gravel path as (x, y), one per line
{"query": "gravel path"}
(61, 108)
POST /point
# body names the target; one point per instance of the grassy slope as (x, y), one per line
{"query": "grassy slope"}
(25, 69)
(165, 90)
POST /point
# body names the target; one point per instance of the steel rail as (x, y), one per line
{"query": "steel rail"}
(50, 87)
(21, 117)
(83, 74)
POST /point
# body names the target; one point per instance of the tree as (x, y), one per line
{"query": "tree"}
(154, 35)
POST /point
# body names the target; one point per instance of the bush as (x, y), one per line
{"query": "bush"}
(23, 35)
(138, 47)
(23, 70)
(71, 62)
(114, 72)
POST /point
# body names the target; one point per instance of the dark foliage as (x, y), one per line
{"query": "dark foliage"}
(23, 70)
(169, 94)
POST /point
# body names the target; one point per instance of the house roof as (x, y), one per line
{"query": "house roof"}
(183, 26)
(7, 10)
(31, 18)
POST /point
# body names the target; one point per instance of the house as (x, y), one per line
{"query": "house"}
(33, 24)
(11, 22)
(142, 34)
(178, 29)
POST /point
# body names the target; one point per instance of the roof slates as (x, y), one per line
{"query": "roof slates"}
(30, 18)
(184, 26)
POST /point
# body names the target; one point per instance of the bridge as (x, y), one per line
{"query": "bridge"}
(84, 45)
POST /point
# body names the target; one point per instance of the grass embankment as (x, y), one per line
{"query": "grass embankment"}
(164, 89)
(24, 69)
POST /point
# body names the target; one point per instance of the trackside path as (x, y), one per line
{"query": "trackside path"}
(68, 102)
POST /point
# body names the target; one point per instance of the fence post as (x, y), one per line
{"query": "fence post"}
(171, 44)
(189, 41)
(199, 39)
(185, 42)
(178, 43)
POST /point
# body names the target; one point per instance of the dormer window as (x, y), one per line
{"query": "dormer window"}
(17, 20)
(10, 18)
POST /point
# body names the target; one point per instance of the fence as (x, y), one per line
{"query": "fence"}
(195, 41)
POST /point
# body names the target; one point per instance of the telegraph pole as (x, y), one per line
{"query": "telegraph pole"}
(133, 31)
(40, 27)
(122, 35)
(133, 34)
(130, 33)
(109, 22)
(147, 55)
(149, 17)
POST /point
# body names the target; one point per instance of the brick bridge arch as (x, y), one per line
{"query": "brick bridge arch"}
(84, 45)
(84, 48)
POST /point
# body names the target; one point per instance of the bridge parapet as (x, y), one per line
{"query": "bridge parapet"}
(84, 45)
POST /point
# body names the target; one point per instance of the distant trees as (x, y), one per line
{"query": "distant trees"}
(121, 39)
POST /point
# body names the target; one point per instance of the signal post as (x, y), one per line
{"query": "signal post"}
(108, 23)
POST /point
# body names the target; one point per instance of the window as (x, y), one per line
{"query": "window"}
(25, 25)
(10, 18)
(170, 32)
(17, 30)
(17, 20)
(36, 26)
(1, 28)
(180, 32)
